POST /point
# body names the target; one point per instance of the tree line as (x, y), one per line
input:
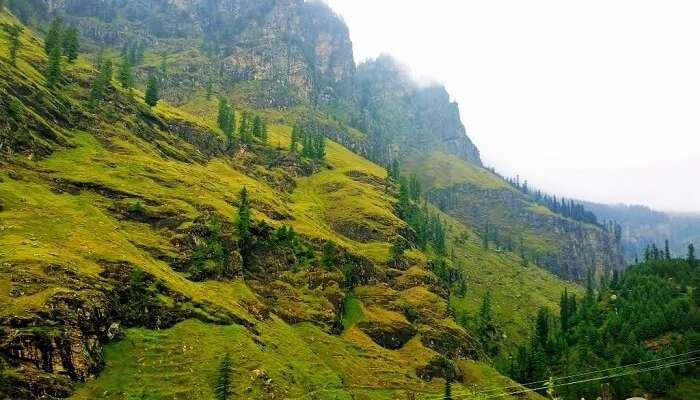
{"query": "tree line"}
(566, 207)
(618, 322)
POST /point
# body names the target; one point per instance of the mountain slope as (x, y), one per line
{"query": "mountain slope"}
(111, 219)
(642, 227)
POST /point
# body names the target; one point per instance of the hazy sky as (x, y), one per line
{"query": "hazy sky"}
(596, 99)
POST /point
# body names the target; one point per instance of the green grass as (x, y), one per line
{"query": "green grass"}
(440, 170)
(42, 225)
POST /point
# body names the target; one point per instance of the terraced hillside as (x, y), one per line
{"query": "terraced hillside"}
(124, 274)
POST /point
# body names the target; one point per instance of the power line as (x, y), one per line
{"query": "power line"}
(583, 374)
(590, 372)
(658, 367)
(523, 391)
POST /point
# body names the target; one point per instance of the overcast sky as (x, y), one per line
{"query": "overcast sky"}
(596, 99)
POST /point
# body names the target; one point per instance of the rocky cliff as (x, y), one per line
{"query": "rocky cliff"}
(406, 119)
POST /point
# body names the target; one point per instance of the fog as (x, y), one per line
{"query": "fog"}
(597, 100)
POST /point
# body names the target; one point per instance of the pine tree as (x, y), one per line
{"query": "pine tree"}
(224, 114)
(124, 74)
(257, 127)
(691, 255)
(395, 169)
(13, 35)
(667, 250)
(448, 389)
(70, 43)
(296, 137)
(320, 147)
(222, 388)
(564, 316)
(53, 74)
(53, 36)
(104, 76)
(328, 256)
(151, 96)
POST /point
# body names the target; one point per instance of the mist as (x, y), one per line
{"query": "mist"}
(596, 100)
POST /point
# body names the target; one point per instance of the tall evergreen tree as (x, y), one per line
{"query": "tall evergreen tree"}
(53, 36)
(13, 36)
(297, 133)
(124, 73)
(99, 84)
(53, 73)
(257, 127)
(667, 250)
(70, 43)
(152, 89)
(244, 129)
(328, 259)
(448, 389)
(227, 120)
(222, 387)
(691, 255)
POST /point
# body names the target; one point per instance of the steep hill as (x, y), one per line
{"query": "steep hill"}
(295, 58)
(125, 273)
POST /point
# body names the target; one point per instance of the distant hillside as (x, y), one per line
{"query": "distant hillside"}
(643, 226)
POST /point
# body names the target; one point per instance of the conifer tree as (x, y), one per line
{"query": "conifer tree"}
(124, 74)
(13, 36)
(328, 255)
(224, 114)
(448, 389)
(667, 250)
(395, 169)
(104, 76)
(152, 95)
(297, 132)
(222, 388)
(70, 43)
(53, 74)
(257, 127)
(53, 36)
(691, 255)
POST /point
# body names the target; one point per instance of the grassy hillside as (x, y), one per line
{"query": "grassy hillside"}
(91, 197)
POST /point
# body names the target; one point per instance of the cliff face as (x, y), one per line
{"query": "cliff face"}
(565, 247)
(407, 119)
(294, 51)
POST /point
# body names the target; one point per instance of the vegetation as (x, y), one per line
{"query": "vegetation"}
(152, 90)
(128, 187)
(646, 314)
(567, 208)
(222, 390)
(13, 32)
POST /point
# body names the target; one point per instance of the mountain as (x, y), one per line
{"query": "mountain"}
(132, 264)
(125, 272)
(642, 227)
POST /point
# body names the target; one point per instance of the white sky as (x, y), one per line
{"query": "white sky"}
(595, 99)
